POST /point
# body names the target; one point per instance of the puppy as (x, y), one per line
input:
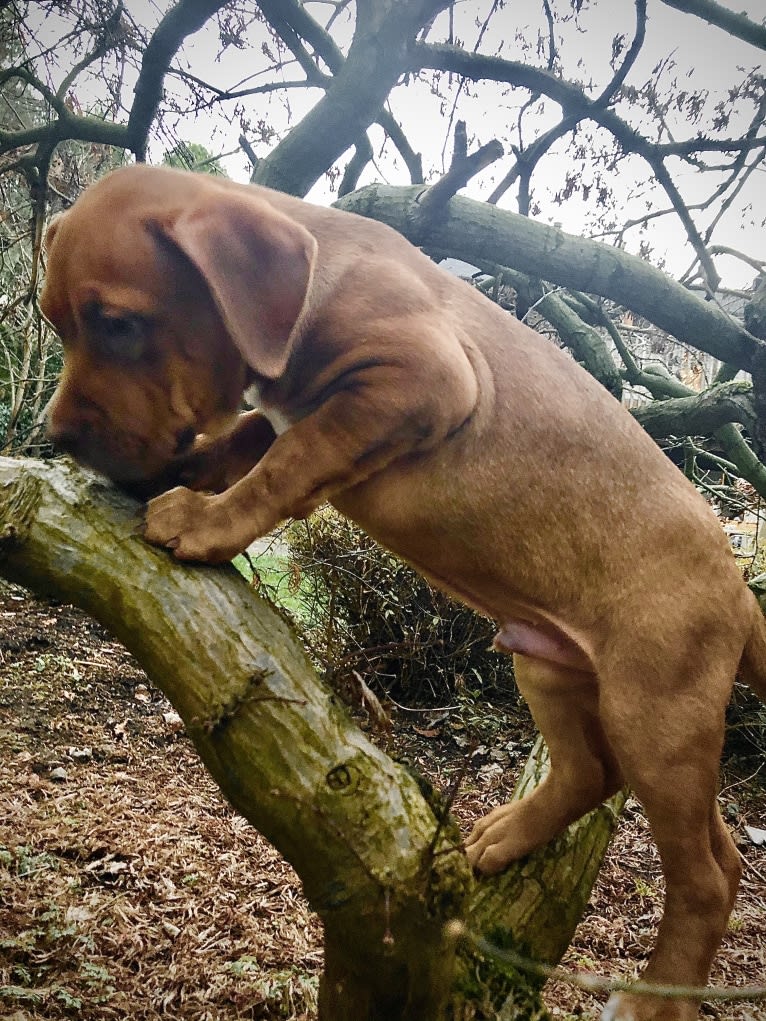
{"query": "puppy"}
(461, 440)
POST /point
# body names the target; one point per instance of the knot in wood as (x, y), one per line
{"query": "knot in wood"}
(341, 778)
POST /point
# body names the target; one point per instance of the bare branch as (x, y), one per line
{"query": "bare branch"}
(738, 25)
(528, 160)
(182, 20)
(578, 105)
(479, 233)
(630, 57)
(702, 144)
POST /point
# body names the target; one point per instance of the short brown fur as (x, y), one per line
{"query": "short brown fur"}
(460, 439)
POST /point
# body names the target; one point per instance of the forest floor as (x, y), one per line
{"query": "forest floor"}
(130, 890)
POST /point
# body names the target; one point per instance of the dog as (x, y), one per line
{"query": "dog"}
(460, 439)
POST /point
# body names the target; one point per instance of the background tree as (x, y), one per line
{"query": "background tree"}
(193, 156)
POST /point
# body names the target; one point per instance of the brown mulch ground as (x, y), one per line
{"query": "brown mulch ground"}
(129, 889)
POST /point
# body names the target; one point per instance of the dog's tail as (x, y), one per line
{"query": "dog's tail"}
(752, 666)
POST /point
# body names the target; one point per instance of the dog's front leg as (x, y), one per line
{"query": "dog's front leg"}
(351, 436)
(215, 464)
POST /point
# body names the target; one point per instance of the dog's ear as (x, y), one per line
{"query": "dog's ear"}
(258, 264)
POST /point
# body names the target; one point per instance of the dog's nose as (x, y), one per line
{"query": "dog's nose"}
(65, 439)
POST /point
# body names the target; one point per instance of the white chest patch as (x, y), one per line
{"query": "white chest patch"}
(279, 421)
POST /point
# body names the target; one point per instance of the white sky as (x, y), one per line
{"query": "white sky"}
(704, 57)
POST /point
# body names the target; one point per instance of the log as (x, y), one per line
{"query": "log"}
(380, 865)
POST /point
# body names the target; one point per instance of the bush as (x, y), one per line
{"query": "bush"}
(369, 614)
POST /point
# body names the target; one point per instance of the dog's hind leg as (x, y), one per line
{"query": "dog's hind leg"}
(669, 734)
(583, 769)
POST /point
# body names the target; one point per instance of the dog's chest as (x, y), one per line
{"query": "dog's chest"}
(279, 421)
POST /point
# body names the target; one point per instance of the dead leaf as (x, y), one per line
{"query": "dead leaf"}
(758, 837)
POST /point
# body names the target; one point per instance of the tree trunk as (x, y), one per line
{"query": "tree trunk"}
(383, 874)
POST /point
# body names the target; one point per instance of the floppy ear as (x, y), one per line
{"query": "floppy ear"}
(258, 265)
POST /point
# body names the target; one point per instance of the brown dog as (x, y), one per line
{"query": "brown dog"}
(460, 439)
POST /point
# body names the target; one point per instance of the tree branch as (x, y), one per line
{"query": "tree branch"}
(701, 414)
(738, 25)
(378, 862)
(362, 155)
(293, 16)
(578, 106)
(530, 157)
(181, 21)
(379, 53)
(353, 823)
(481, 233)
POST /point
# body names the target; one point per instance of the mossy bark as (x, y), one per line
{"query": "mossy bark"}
(375, 863)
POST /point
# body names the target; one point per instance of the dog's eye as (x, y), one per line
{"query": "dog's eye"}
(119, 335)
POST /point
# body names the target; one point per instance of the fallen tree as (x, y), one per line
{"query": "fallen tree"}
(379, 858)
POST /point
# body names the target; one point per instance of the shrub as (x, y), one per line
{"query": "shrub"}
(367, 613)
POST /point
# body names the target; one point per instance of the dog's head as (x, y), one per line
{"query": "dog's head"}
(171, 292)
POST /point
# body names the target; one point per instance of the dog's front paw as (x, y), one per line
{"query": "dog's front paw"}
(192, 525)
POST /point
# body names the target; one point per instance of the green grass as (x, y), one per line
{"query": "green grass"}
(275, 580)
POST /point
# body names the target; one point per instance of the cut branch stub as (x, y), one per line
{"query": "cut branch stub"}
(430, 203)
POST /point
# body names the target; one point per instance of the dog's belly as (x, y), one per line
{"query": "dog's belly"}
(524, 629)
(475, 573)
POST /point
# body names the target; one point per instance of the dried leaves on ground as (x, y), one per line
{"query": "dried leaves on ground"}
(130, 890)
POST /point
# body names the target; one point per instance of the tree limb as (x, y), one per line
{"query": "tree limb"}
(378, 54)
(293, 16)
(181, 21)
(481, 233)
(738, 25)
(353, 823)
(363, 154)
(700, 414)
(378, 863)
